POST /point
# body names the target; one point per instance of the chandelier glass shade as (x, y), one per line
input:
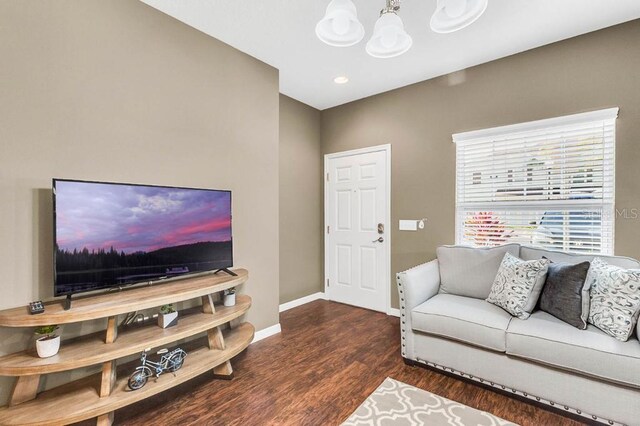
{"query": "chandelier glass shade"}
(454, 15)
(340, 26)
(389, 38)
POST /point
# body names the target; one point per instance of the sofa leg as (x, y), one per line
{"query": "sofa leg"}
(409, 362)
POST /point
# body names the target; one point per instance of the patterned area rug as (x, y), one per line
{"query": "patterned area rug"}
(399, 404)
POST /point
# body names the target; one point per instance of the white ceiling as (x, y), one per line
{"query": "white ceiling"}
(282, 34)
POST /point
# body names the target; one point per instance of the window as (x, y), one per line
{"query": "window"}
(547, 183)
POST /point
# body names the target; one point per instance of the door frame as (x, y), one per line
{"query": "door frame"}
(386, 148)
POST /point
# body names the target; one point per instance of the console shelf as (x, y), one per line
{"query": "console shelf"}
(91, 349)
(99, 395)
(80, 400)
(121, 302)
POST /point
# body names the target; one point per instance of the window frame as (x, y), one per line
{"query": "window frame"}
(553, 127)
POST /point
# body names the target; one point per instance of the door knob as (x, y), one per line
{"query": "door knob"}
(379, 240)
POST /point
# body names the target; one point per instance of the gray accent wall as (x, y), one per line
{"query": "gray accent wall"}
(301, 201)
(589, 72)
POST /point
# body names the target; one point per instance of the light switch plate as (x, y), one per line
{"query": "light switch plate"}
(408, 225)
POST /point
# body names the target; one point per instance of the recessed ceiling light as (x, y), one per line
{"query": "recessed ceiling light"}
(341, 79)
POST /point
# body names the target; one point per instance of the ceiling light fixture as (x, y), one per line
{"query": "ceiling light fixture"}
(340, 26)
(341, 79)
(454, 15)
(389, 38)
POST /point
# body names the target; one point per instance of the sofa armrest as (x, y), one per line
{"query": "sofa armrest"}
(415, 286)
(418, 284)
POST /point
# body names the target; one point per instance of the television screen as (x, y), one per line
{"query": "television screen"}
(112, 234)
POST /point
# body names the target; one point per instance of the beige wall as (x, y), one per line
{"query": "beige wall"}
(301, 200)
(117, 91)
(589, 72)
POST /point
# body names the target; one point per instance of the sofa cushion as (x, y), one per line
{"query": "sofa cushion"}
(518, 285)
(468, 271)
(546, 339)
(615, 298)
(566, 293)
(465, 319)
(532, 253)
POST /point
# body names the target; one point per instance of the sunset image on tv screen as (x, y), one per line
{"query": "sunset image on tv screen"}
(109, 234)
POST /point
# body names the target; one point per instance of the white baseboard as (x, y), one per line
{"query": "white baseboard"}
(302, 301)
(266, 332)
(275, 329)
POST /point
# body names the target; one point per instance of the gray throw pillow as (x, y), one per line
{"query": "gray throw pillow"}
(615, 298)
(469, 271)
(566, 293)
(518, 284)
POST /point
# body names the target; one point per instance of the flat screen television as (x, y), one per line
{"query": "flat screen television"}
(113, 234)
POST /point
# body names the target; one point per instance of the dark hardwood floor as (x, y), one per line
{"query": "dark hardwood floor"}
(327, 360)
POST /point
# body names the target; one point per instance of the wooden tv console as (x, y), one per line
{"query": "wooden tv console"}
(103, 393)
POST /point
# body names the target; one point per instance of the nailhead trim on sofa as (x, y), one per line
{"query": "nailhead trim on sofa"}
(524, 394)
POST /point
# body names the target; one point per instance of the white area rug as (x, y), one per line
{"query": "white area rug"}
(399, 404)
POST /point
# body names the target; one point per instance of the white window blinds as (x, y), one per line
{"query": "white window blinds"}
(548, 183)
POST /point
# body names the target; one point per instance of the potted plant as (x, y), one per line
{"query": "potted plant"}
(229, 298)
(168, 316)
(47, 340)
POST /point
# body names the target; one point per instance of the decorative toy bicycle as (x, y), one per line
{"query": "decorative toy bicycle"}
(170, 361)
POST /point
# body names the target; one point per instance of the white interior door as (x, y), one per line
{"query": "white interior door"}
(357, 227)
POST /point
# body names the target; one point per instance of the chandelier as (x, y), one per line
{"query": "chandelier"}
(340, 26)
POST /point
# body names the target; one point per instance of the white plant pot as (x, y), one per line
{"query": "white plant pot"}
(168, 320)
(229, 299)
(47, 347)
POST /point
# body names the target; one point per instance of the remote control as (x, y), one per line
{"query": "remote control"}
(36, 307)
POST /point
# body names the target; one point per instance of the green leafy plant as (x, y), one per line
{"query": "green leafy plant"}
(167, 309)
(47, 331)
(231, 290)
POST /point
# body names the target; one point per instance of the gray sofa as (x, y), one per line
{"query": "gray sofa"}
(446, 324)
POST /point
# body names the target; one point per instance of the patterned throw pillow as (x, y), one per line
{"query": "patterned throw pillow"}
(615, 298)
(518, 285)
